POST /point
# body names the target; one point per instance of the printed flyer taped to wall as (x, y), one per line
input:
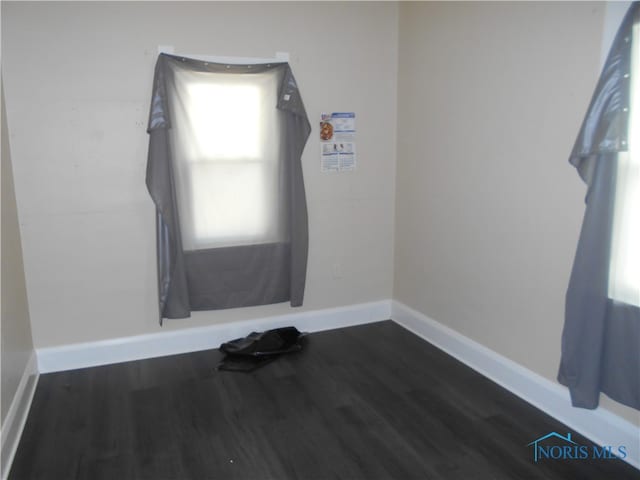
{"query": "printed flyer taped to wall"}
(337, 142)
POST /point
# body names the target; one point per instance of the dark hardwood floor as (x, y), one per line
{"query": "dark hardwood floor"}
(367, 402)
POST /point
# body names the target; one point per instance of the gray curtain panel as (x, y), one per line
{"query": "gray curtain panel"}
(225, 174)
(601, 336)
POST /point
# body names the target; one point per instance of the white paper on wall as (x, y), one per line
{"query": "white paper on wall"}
(337, 142)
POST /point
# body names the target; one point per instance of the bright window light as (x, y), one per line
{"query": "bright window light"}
(230, 201)
(226, 141)
(226, 119)
(624, 270)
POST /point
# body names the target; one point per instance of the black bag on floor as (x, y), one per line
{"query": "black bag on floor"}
(259, 348)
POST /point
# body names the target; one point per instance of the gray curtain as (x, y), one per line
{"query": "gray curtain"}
(601, 336)
(226, 275)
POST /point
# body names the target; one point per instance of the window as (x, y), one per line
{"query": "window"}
(624, 269)
(602, 312)
(224, 171)
(228, 175)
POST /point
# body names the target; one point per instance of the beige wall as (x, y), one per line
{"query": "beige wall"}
(78, 81)
(15, 329)
(488, 210)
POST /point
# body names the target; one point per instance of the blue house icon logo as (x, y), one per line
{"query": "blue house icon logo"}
(554, 446)
(545, 452)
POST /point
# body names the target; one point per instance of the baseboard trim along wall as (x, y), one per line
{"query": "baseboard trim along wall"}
(104, 352)
(17, 415)
(601, 426)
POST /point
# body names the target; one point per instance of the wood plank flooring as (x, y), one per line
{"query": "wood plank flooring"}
(367, 402)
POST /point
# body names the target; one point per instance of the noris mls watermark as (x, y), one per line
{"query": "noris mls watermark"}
(554, 446)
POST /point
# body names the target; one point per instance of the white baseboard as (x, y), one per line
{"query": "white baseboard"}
(17, 415)
(600, 426)
(104, 352)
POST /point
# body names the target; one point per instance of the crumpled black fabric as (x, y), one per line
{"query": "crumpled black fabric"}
(259, 348)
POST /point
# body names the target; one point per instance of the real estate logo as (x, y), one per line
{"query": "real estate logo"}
(554, 446)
